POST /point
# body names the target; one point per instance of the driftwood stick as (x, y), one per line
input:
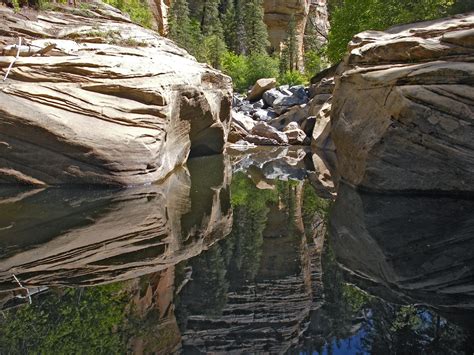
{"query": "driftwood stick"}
(23, 288)
(14, 60)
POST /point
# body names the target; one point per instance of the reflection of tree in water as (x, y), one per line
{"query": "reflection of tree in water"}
(348, 312)
(234, 259)
(68, 321)
(206, 293)
(410, 330)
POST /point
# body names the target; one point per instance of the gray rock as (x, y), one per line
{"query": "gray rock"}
(264, 115)
(271, 95)
(298, 90)
(258, 140)
(105, 112)
(243, 121)
(283, 104)
(285, 90)
(295, 134)
(259, 104)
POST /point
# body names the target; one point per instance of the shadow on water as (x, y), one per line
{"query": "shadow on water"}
(237, 254)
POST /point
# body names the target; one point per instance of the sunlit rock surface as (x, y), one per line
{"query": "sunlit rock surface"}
(87, 237)
(407, 249)
(113, 103)
(403, 108)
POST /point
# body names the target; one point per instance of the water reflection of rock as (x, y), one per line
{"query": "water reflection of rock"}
(88, 237)
(408, 249)
(264, 164)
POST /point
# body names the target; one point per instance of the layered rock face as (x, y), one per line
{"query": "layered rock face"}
(403, 109)
(111, 103)
(277, 16)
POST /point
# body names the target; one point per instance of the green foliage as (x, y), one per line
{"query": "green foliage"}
(245, 71)
(289, 55)
(261, 66)
(16, 5)
(350, 17)
(293, 77)
(210, 22)
(180, 23)
(70, 321)
(236, 67)
(214, 50)
(313, 63)
(137, 9)
(207, 293)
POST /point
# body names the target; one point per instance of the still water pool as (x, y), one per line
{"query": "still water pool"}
(244, 253)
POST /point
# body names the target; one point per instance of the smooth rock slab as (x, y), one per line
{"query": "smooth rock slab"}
(403, 120)
(104, 113)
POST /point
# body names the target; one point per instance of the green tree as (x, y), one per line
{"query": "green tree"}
(210, 20)
(256, 35)
(214, 49)
(68, 321)
(292, 45)
(180, 27)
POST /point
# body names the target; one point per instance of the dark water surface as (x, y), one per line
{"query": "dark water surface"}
(245, 253)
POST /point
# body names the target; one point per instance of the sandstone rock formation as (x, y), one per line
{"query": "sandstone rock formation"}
(112, 103)
(260, 87)
(277, 16)
(160, 9)
(76, 237)
(403, 109)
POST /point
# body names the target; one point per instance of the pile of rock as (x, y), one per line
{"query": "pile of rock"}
(272, 115)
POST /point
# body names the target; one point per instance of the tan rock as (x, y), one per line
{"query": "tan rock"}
(295, 134)
(260, 87)
(277, 17)
(403, 108)
(124, 111)
(264, 130)
(322, 129)
(160, 10)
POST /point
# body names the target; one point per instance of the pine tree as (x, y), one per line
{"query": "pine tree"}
(180, 23)
(210, 21)
(289, 50)
(292, 44)
(229, 25)
(256, 34)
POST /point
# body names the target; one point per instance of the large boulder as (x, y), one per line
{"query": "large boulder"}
(402, 114)
(260, 87)
(113, 103)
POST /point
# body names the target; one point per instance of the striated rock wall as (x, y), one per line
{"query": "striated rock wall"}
(277, 16)
(403, 109)
(112, 103)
